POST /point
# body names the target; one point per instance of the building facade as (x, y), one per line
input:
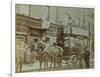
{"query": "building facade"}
(77, 23)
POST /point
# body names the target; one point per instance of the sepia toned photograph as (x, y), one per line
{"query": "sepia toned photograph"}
(53, 38)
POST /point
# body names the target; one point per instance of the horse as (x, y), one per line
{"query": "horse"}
(52, 53)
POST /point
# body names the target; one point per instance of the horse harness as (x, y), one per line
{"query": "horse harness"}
(53, 55)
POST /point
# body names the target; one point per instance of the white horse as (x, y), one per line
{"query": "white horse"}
(52, 54)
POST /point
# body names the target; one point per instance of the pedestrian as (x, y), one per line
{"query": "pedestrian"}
(47, 44)
(35, 49)
(87, 57)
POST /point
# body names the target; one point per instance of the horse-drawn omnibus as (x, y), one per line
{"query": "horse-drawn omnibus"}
(73, 41)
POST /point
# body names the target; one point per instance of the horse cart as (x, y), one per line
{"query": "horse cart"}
(71, 56)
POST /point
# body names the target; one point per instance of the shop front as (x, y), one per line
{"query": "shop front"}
(29, 28)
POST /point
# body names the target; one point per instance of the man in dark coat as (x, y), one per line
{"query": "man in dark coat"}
(87, 57)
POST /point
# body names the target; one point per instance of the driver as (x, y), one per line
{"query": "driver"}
(47, 44)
